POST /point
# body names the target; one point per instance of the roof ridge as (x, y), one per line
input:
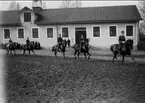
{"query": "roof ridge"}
(90, 7)
(75, 8)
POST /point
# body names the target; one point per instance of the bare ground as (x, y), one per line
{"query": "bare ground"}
(42, 78)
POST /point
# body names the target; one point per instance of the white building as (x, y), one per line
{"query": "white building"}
(102, 25)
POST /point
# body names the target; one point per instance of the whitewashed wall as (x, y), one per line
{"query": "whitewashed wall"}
(103, 41)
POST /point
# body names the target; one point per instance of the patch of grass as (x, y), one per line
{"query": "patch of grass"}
(40, 79)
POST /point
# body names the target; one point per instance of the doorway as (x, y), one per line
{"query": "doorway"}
(78, 32)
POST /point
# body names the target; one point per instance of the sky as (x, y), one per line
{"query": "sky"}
(4, 5)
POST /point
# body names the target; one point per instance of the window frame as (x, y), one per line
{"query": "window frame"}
(109, 31)
(24, 16)
(93, 31)
(52, 34)
(126, 30)
(18, 33)
(32, 33)
(68, 31)
(4, 33)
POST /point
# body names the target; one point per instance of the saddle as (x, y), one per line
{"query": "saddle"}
(84, 47)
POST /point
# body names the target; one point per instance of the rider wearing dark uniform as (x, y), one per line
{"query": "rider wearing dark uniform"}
(10, 41)
(121, 41)
(59, 42)
(82, 41)
(27, 42)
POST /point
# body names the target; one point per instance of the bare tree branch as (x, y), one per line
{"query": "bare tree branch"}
(14, 5)
(71, 4)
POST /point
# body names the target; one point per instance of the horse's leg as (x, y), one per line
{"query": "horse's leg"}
(89, 55)
(114, 55)
(33, 51)
(123, 58)
(29, 52)
(85, 55)
(78, 54)
(133, 58)
(7, 51)
(14, 51)
(64, 55)
(55, 53)
(24, 51)
(75, 54)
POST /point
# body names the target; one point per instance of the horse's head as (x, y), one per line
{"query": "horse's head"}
(129, 43)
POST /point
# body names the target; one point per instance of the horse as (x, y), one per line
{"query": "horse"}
(84, 49)
(126, 50)
(28, 48)
(10, 47)
(62, 48)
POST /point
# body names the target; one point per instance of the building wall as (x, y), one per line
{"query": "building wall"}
(104, 41)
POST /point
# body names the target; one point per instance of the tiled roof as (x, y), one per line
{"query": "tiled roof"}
(9, 18)
(81, 15)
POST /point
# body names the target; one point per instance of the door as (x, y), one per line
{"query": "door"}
(78, 32)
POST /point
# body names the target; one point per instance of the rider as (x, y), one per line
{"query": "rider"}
(10, 41)
(59, 42)
(121, 41)
(27, 41)
(82, 41)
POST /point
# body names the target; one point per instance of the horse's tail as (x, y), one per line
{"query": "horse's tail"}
(52, 49)
(74, 46)
(111, 47)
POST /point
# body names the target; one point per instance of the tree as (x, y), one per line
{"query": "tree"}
(66, 4)
(141, 8)
(77, 4)
(44, 5)
(14, 5)
(70, 4)
(18, 6)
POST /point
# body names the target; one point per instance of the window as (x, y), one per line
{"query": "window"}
(21, 33)
(65, 32)
(27, 17)
(96, 31)
(129, 30)
(35, 33)
(112, 30)
(49, 32)
(6, 33)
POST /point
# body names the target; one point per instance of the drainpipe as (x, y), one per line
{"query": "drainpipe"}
(57, 32)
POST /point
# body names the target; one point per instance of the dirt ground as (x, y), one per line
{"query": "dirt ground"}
(42, 78)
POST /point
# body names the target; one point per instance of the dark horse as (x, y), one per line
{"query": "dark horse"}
(10, 47)
(28, 48)
(84, 49)
(126, 50)
(62, 47)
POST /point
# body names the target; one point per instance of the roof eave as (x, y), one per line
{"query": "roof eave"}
(84, 22)
(12, 24)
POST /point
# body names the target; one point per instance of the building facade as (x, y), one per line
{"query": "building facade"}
(101, 25)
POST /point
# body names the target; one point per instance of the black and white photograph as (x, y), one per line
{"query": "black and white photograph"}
(72, 51)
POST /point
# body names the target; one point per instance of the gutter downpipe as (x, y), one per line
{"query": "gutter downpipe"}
(57, 32)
